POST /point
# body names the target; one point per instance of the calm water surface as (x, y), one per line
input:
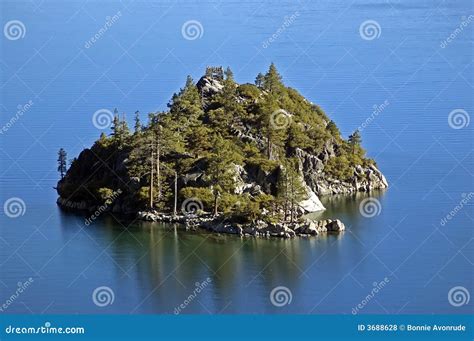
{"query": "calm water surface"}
(143, 58)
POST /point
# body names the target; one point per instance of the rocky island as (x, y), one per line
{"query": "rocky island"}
(248, 159)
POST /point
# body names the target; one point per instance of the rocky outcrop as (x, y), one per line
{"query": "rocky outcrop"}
(208, 87)
(365, 179)
(259, 228)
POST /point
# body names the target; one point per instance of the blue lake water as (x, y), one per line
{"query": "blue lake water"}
(143, 57)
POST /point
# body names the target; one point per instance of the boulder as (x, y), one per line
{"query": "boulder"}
(335, 226)
(308, 227)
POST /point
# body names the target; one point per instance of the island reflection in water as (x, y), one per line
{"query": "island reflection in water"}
(167, 262)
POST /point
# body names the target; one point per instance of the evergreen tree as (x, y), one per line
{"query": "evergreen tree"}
(120, 131)
(332, 128)
(272, 81)
(269, 125)
(62, 162)
(221, 171)
(125, 131)
(290, 190)
(228, 106)
(259, 80)
(186, 109)
(138, 125)
(187, 102)
(355, 140)
(115, 125)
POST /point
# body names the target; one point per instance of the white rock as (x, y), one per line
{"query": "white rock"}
(312, 204)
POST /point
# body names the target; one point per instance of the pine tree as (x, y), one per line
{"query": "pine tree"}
(295, 190)
(125, 131)
(229, 108)
(355, 140)
(259, 80)
(269, 125)
(272, 81)
(220, 170)
(120, 131)
(116, 125)
(186, 109)
(187, 102)
(62, 162)
(138, 125)
(332, 128)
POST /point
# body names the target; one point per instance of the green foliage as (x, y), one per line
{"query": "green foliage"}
(339, 167)
(142, 196)
(332, 129)
(105, 194)
(120, 131)
(355, 140)
(203, 194)
(259, 80)
(264, 164)
(272, 81)
(248, 91)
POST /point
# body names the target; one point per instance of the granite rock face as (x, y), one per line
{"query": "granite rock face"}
(365, 179)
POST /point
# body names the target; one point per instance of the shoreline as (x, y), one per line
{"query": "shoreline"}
(302, 227)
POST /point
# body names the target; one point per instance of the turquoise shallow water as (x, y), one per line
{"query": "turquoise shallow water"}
(142, 58)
